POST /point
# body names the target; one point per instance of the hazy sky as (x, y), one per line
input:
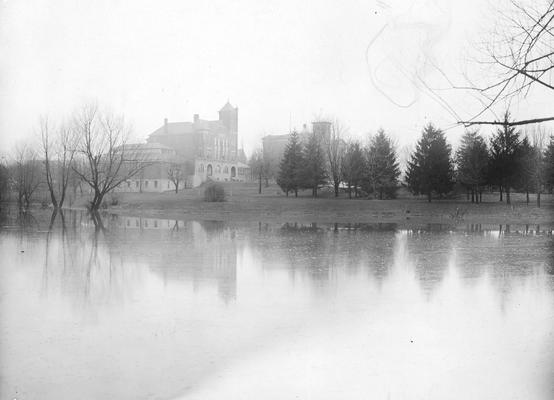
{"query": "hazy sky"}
(281, 62)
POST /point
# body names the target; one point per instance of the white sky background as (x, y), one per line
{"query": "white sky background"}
(281, 62)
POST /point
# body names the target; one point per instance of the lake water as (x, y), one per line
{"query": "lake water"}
(160, 309)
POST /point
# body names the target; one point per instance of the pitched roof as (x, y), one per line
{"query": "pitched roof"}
(227, 107)
(173, 128)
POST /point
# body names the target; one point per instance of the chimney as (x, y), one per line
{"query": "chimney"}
(196, 118)
(165, 125)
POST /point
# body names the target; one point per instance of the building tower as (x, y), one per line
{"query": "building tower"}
(229, 117)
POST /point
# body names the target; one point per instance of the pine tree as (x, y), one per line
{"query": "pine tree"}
(313, 172)
(503, 162)
(353, 167)
(382, 166)
(291, 165)
(430, 168)
(472, 162)
(549, 164)
(526, 173)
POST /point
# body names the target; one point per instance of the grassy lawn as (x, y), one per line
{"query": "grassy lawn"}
(245, 204)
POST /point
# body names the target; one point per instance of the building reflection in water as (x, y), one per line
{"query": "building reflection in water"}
(104, 262)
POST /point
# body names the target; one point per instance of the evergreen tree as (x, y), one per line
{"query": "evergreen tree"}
(291, 166)
(382, 166)
(430, 167)
(503, 163)
(526, 173)
(313, 172)
(472, 162)
(353, 167)
(549, 165)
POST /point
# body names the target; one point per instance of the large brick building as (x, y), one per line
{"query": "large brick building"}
(209, 149)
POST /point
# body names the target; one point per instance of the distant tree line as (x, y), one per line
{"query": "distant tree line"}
(509, 160)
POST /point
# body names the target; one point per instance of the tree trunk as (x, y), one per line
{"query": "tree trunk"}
(472, 196)
(480, 196)
(295, 192)
(539, 198)
(349, 191)
(429, 196)
(337, 188)
(508, 194)
(501, 193)
(260, 184)
(527, 195)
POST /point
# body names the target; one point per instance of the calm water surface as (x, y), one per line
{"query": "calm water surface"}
(159, 309)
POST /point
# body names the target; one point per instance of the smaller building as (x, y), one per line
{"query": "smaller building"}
(274, 145)
(157, 161)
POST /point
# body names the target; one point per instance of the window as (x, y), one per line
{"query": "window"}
(155, 224)
(136, 183)
(128, 184)
(201, 169)
(128, 222)
(218, 169)
(155, 184)
(225, 169)
(145, 184)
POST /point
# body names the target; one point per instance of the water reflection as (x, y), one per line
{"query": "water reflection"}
(131, 307)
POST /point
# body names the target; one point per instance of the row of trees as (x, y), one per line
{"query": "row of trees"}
(510, 160)
(331, 160)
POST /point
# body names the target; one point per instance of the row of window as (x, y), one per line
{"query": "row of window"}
(217, 170)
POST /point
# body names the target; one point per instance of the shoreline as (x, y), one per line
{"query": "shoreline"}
(245, 205)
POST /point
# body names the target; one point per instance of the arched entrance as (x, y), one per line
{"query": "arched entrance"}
(209, 170)
(233, 172)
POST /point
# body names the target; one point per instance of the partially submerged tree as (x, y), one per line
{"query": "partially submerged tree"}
(430, 168)
(290, 167)
(107, 160)
(58, 153)
(382, 166)
(472, 160)
(26, 174)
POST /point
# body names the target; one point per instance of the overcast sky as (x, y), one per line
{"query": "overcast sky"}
(281, 62)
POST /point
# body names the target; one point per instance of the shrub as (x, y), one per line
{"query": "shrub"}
(214, 192)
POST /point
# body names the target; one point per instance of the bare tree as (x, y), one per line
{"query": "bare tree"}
(258, 167)
(58, 153)
(521, 57)
(334, 151)
(25, 174)
(107, 159)
(177, 172)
